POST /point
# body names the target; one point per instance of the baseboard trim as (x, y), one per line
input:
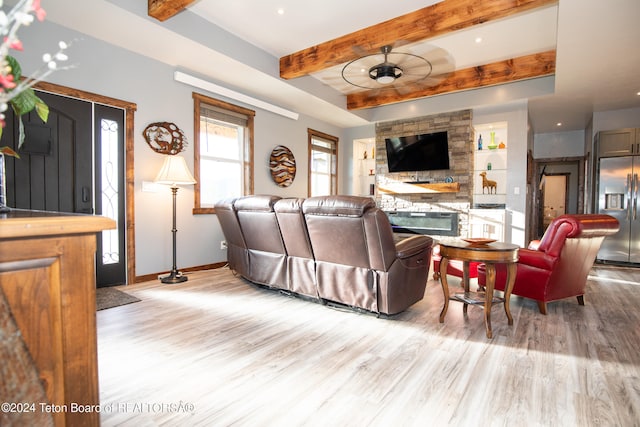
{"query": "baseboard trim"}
(154, 276)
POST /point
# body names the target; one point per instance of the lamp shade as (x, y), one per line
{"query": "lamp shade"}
(175, 172)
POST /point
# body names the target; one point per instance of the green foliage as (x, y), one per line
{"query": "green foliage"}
(25, 102)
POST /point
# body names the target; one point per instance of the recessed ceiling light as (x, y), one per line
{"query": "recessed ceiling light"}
(478, 39)
(559, 124)
(638, 93)
(280, 11)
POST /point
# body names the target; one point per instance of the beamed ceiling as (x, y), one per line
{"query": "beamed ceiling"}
(415, 28)
(165, 9)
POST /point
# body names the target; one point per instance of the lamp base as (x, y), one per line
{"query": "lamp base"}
(174, 277)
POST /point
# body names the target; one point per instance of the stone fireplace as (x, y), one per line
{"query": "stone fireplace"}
(431, 223)
(436, 202)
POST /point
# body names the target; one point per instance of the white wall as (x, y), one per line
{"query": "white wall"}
(107, 70)
(558, 144)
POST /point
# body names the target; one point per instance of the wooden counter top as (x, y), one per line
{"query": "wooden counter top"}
(26, 223)
(47, 261)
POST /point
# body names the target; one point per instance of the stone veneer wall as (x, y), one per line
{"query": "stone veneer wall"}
(460, 133)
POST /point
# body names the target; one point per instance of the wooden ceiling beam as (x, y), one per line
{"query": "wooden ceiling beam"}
(431, 21)
(507, 71)
(165, 9)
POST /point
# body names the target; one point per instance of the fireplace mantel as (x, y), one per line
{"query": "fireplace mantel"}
(417, 188)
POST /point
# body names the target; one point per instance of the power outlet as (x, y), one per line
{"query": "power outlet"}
(223, 244)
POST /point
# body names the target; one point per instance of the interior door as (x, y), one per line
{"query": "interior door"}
(569, 190)
(555, 198)
(61, 164)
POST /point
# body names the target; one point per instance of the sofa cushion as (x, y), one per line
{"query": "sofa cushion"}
(293, 227)
(301, 269)
(267, 255)
(351, 206)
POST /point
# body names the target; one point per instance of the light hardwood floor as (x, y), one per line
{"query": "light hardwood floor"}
(217, 351)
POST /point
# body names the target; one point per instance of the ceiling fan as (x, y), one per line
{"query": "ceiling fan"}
(395, 70)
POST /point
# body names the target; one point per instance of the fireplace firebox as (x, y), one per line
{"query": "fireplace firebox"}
(430, 223)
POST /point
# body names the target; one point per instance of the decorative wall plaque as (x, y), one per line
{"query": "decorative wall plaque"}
(165, 138)
(283, 166)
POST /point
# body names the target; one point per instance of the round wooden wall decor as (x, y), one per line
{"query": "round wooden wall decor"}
(165, 138)
(283, 166)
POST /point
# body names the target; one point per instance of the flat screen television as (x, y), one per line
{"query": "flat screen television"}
(429, 151)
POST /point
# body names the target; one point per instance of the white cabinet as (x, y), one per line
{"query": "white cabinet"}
(364, 164)
(487, 223)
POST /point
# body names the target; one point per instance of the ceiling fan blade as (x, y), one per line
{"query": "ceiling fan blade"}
(400, 43)
(437, 55)
(401, 59)
(330, 78)
(361, 51)
(429, 51)
(430, 81)
(441, 62)
(404, 89)
(413, 75)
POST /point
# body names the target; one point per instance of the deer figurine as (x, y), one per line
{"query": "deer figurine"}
(488, 183)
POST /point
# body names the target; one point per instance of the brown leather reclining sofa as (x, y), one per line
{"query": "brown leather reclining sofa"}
(332, 248)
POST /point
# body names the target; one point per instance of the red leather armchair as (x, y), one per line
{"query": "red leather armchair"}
(557, 266)
(454, 268)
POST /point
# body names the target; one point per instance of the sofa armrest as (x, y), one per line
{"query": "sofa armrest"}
(536, 259)
(413, 245)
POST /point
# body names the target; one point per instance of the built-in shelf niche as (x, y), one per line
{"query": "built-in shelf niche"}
(492, 161)
(364, 162)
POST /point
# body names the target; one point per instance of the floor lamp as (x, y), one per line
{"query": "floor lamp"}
(174, 172)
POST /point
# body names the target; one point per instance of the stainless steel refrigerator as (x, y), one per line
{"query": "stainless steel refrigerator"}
(618, 196)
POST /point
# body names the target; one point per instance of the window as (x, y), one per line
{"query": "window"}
(323, 163)
(110, 195)
(223, 150)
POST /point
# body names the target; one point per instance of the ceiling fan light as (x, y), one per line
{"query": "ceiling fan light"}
(385, 74)
(385, 80)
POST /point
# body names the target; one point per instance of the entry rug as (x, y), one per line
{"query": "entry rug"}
(110, 297)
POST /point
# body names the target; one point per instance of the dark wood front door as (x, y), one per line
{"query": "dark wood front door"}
(55, 169)
(61, 169)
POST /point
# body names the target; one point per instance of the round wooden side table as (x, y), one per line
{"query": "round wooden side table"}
(490, 254)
